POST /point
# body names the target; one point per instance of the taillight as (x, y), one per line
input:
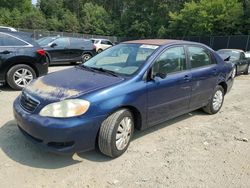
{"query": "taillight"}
(94, 47)
(41, 52)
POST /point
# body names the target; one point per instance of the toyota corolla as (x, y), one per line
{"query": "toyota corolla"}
(133, 85)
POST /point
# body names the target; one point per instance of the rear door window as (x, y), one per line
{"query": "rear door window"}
(7, 40)
(199, 57)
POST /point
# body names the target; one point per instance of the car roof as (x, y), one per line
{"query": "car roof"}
(237, 50)
(159, 42)
(98, 39)
(10, 28)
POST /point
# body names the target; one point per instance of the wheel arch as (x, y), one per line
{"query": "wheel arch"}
(19, 63)
(224, 86)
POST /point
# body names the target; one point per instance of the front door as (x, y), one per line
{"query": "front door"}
(168, 96)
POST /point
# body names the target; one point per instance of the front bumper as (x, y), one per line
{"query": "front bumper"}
(68, 136)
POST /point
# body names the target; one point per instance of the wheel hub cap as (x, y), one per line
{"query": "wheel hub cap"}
(123, 133)
(234, 73)
(217, 100)
(22, 77)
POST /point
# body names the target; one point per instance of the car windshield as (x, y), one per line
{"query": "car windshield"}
(234, 55)
(123, 59)
(45, 41)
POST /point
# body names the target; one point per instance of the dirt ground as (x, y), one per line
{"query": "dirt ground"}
(194, 150)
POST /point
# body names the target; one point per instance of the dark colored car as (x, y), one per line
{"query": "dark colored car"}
(67, 49)
(21, 60)
(238, 58)
(135, 84)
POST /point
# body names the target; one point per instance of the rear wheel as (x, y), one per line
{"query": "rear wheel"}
(247, 70)
(234, 72)
(99, 51)
(115, 133)
(20, 76)
(216, 102)
(86, 57)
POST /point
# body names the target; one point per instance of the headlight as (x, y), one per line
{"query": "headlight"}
(65, 109)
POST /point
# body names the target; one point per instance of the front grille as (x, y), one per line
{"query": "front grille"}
(28, 103)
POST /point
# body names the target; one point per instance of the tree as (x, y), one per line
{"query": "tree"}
(33, 20)
(207, 17)
(96, 20)
(70, 22)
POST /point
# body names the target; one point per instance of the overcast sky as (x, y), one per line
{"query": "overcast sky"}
(34, 2)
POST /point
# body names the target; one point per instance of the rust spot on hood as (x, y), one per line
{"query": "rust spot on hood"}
(46, 91)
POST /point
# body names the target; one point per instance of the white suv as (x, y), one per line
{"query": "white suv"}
(101, 44)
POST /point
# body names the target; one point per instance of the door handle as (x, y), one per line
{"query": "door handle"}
(214, 71)
(5, 52)
(187, 78)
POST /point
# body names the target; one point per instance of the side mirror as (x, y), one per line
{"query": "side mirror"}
(161, 75)
(227, 59)
(53, 45)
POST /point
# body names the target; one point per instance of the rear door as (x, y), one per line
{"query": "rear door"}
(76, 49)
(168, 97)
(60, 52)
(9, 46)
(204, 70)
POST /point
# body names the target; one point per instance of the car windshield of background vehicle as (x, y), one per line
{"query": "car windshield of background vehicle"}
(234, 55)
(123, 59)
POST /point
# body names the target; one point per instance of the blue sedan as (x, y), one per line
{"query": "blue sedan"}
(133, 85)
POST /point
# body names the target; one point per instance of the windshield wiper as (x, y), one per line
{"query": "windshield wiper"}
(87, 68)
(96, 69)
(106, 71)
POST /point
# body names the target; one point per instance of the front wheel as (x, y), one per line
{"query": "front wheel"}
(247, 70)
(216, 102)
(115, 133)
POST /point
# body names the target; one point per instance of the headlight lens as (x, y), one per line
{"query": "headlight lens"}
(66, 108)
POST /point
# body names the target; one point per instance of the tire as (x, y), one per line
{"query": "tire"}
(86, 57)
(17, 73)
(247, 70)
(111, 130)
(48, 60)
(234, 72)
(99, 51)
(218, 96)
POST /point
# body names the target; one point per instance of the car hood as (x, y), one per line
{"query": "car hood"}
(69, 83)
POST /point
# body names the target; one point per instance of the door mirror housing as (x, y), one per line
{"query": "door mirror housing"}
(161, 75)
(53, 45)
(151, 75)
(227, 58)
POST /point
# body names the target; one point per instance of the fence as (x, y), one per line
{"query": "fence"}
(221, 42)
(215, 42)
(36, 34)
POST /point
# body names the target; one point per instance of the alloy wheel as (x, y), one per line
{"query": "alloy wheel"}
(22, 77)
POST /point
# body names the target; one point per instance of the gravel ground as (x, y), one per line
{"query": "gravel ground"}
(193, 150)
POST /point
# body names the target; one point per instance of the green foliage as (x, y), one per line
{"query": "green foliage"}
(70, 22)
(131, 18)
(95, 19)
(207, 17)
(33, 20)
